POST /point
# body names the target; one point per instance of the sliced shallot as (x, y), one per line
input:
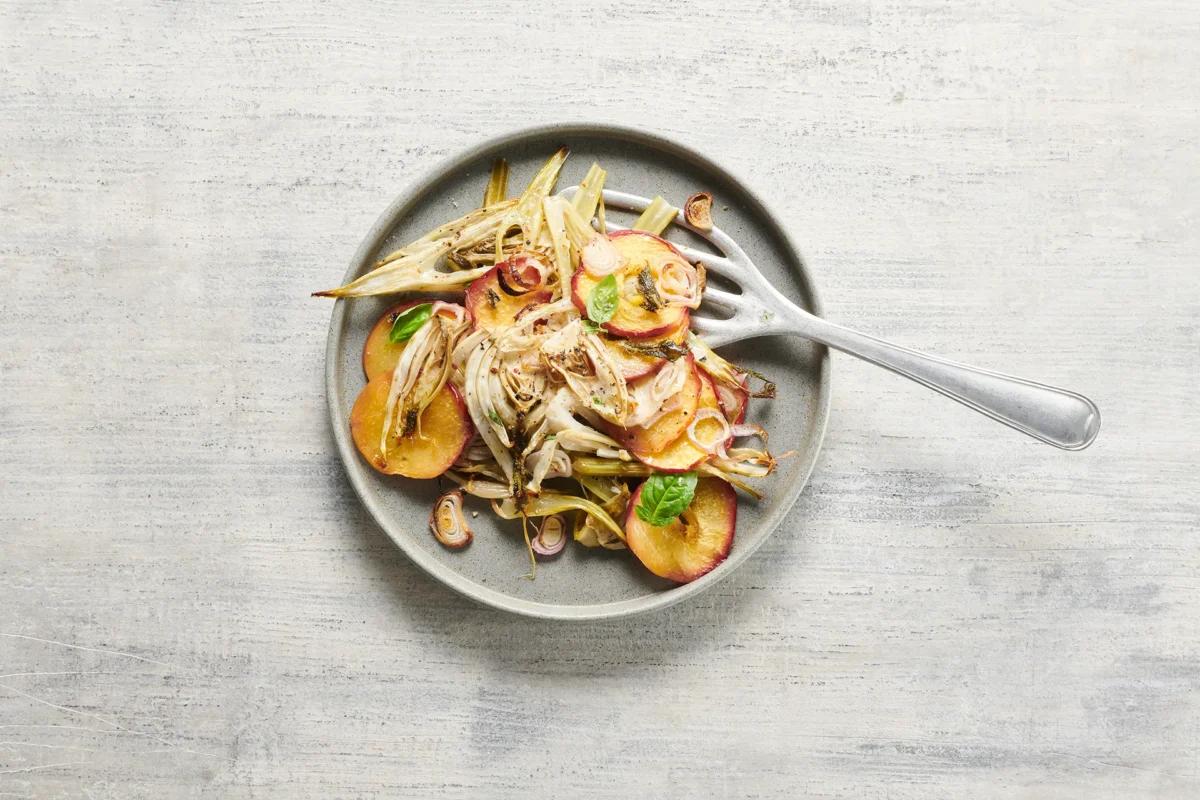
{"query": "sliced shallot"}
(698, 211)
(448, 523)
(451, 311)
(521, 273)
(601, 258)
(679, 283)
(717, 445)
(732, 401)
(659, 395)
(670, 379)
(551, 536)
(749, 429)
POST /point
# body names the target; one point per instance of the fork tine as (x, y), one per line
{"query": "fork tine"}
(719, 298)
(633, 202)
(721, 266)
(716, 332)
(718, 264)
(730, 264)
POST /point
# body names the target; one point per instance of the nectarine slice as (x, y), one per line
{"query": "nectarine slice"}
(654, 438)
(491, 305)
(380, 354)
(441, 434)
(636, 358)
(633, 320)
(694, 543)
(682, 454)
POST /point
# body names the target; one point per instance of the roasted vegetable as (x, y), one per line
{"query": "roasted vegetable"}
(568, 362)
(448, 523)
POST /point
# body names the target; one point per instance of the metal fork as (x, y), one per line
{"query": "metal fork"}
(1056, 416)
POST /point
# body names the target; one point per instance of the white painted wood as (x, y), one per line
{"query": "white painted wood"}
(193, 604)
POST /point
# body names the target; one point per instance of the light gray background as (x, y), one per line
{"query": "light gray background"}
(193, 604)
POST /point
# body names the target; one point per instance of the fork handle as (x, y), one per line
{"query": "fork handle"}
(1059, 417)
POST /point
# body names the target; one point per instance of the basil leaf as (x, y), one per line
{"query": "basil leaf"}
(589, 326)
(665, 497)
(602, 303)
(409, 322)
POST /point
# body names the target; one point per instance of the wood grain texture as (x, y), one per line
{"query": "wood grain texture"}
(193, 604)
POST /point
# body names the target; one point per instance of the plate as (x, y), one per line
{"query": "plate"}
(583, 583)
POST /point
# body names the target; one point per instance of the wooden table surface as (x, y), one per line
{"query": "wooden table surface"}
(193, 603)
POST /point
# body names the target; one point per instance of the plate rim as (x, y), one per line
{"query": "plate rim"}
(408, 197)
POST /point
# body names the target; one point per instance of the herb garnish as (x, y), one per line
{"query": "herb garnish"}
(665, 497)
(409, 322)
(602, 303)
(664, 349)
(651, 300)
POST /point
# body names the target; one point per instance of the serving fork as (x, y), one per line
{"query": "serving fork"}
(1056, 416)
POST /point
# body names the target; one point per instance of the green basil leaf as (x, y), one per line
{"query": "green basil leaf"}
(589, 326)
(602, 303)
(409, 322)
(665, 497)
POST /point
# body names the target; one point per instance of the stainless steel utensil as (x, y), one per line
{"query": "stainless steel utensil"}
(1056, 416)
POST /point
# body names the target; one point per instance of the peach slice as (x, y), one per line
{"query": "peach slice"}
(442, 432)
(682, 454)
(694, 543)
(634, 362)
(652, 439)
(632, 320)
(379, 353)
(492, 306)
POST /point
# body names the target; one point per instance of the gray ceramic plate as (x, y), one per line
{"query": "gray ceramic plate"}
(583, 583)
